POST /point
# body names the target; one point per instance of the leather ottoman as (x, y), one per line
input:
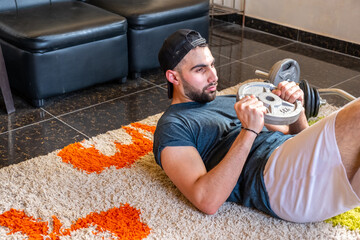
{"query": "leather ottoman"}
(151, 21)
(61, 46)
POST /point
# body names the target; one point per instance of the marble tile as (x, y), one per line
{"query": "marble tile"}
(232, 74)
(221, 60)
(321, 71)
(351, 86)
(93, 96)
(214, 22)
(233, 32)
(240, 50)
(353, 49)
(330, 43)
(325, 55)
(155, 76)
(114, 114)
(24, 115)
(234, 42)
(231, 18)
(35, 140)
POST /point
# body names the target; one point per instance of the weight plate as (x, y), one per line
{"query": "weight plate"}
(284, 70)
(304, 85)
(280, 112)
(317, 102)
(312, 101)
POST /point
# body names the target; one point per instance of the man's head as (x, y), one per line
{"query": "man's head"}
(175, 48)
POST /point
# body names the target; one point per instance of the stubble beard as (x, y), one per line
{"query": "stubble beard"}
(199, 96)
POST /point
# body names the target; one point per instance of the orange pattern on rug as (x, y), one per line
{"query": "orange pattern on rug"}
(91, 160)
(122, 223)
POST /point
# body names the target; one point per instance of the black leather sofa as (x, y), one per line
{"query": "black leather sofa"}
(52, 47)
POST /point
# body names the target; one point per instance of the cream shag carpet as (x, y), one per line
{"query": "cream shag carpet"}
(47, 198)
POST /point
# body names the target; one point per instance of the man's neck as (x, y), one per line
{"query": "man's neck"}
(178, 99)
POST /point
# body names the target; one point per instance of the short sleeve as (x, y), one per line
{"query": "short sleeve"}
(171, 134)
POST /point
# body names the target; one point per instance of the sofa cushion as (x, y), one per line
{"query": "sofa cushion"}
(142, 14)
(47, 27)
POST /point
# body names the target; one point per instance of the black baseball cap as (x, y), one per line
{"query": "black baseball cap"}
(174, 49)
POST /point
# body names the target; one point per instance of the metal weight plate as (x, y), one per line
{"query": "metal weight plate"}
(312, 100)
(317, 102)
(304, 85)
(284, 70)
(280, 112)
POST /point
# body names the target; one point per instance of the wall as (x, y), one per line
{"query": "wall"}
(339, 19)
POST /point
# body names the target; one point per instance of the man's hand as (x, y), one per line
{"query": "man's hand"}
(289, 91)
(250, 111)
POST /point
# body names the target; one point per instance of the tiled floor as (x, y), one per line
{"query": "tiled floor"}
(31, 132)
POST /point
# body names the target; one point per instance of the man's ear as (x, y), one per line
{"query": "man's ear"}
(172, 76)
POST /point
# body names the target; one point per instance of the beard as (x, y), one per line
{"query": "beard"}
(200, 96)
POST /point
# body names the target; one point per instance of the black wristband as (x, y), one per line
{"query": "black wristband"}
(248, 129)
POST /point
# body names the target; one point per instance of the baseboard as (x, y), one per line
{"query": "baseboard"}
(295, 34)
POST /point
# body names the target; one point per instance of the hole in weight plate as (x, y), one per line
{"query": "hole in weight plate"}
(270, 98)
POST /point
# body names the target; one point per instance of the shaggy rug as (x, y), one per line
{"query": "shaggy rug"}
(109, 187)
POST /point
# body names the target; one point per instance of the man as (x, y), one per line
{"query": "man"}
(215, 149)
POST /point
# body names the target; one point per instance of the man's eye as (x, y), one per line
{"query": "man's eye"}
(199, 69)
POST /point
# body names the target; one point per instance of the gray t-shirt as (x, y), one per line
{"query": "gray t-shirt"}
(211, 128)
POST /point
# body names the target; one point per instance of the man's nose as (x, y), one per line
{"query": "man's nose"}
(213, 75)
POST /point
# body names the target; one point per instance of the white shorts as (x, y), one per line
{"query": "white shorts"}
(305, 177)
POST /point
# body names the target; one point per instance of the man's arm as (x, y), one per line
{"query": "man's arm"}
(206, 190)
(209, 190)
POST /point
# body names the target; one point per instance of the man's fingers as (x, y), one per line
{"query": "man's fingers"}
(286, 88)
(276, 92)
(290, 92)
(297, 95)
(253, 103)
